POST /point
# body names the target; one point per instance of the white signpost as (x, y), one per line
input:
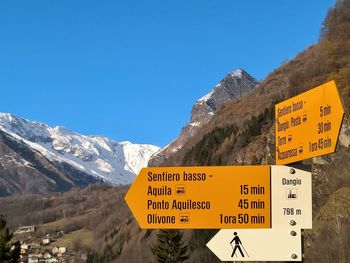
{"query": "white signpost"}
(291, 197)
(291, 211)
(257, 245)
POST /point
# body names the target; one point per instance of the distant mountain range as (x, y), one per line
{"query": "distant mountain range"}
(39, 159)
(36, 158)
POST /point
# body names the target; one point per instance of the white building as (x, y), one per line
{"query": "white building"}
(62, 250)
(46, 241)
(33, 259)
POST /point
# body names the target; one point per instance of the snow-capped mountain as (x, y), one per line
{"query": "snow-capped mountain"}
(101, 158)
(234, 86)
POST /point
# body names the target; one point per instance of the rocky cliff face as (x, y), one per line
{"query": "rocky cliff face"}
(236, 85)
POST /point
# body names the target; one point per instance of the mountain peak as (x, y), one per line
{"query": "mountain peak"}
(236, 84)
(237, 73)
(63, 129)
(8, 116)
(14, 119)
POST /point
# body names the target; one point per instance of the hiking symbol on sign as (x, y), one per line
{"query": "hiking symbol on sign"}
(238, 246)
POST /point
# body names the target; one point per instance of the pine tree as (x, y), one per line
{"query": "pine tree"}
(7, 255)
(169, 247)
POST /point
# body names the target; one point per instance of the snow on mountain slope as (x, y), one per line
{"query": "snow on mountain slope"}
(114, 162)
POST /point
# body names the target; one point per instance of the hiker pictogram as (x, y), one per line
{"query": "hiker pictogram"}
(238, 246)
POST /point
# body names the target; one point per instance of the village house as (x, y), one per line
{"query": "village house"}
(33, 259)
(47, 255)
(24, 248)
(62, 250)
(25, 229)
(46, 241)
(59, 250)
(55, 250)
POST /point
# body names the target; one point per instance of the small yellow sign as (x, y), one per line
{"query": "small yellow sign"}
(201, 197)
(308, 125)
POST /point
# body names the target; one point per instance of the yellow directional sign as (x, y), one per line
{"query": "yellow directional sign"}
(308, 125)
(221, 197)
(201, 197)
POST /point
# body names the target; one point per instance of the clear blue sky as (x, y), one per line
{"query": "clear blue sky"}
(131, 70)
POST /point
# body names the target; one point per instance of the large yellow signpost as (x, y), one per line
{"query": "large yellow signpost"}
(308, 125)
(201, 197)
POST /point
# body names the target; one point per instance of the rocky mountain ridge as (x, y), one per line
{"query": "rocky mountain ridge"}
(234, 86)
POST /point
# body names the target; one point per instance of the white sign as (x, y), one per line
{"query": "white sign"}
(257, 245)
(291, 198)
